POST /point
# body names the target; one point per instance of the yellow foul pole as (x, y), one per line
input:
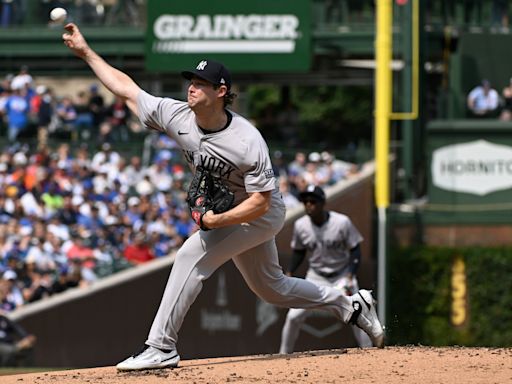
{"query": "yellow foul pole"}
(383, 47)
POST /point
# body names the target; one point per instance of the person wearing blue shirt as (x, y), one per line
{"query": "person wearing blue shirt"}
(16, 110)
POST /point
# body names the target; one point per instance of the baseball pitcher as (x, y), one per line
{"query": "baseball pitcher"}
(332, 242)
(233, 198)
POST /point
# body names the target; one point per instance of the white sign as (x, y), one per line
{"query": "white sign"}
(226, 33)
(478, 167)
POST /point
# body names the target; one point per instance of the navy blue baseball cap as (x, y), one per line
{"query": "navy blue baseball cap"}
(313, 191)
(211, 71)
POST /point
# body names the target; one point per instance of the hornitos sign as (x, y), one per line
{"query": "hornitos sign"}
(478, 167)
(267, 35)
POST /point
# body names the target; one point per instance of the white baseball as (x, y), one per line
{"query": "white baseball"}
(58, 14)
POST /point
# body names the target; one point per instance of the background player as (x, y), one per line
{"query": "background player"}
(334, 256)
(227, 145)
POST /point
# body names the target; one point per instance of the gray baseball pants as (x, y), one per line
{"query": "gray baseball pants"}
(296, 317)
(253, 250)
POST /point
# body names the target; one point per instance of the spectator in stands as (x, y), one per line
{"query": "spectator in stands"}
(35, 101)
(506, 112)
(68, 213)
(13, 291)
(66, 113)
(339, 169)
(483, 101)
(145, 186)
(6, 305)
(65, 280)
(138, 251)
(299, 184)
(133, 216)
(5, 92)
(96, 105)
(23, 80)
(37, 254)
(84, 116)
(133, 173)
(105, 134)
(37, 284)
(105, 157)
(295, 170)
(316, 172)
(298, 165)
(278, 165)
(57, 233)
(118, 115)
(160, 175)
(52, 199)
(289, 199)
(81, 255)
(16, 109)
(91, 221)
(44, 113)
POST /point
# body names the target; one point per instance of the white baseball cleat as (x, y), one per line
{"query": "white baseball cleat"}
(365, 316)
(150, 358)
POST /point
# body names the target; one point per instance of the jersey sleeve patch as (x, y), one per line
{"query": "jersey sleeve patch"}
(269, 173)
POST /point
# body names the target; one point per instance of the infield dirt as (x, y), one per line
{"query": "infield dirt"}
(418, 365)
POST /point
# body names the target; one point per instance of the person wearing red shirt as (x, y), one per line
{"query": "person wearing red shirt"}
(138, 251)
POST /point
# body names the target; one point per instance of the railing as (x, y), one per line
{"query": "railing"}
(327, 14)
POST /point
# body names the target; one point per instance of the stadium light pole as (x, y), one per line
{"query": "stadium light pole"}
(383, 48)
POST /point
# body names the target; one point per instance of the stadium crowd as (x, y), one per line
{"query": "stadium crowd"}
(73, 211)
(90, 12)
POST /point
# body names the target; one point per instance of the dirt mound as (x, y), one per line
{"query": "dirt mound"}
(418, 365)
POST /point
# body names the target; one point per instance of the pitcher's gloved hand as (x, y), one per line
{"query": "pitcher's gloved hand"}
(206, 193)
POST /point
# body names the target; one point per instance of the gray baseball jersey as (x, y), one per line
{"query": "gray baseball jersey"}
(329, 252)
(329, 245)
(239, 156)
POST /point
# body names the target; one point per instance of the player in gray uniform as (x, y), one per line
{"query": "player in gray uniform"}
(230, 148)
(334, 256)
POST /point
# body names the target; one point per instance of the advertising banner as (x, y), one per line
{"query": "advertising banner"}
(262, 36)
(478, 167)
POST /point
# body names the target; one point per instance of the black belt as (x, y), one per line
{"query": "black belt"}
(328, 274)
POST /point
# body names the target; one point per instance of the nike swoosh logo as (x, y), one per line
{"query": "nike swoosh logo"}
(169, 358)
(364, 301)
(182, 133)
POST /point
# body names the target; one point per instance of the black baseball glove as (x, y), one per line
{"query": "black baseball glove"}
(206, 193)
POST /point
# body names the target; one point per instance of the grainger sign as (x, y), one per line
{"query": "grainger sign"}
(266, 35)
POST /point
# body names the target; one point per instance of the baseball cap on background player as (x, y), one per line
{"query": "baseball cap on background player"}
(313, 191)
(211, 71)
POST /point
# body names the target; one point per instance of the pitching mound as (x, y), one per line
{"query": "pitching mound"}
(416, 365)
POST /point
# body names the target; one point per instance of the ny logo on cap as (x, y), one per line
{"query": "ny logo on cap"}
(202, 65)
